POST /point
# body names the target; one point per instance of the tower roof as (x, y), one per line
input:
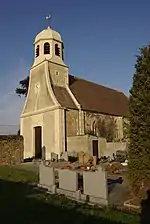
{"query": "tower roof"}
(47, 34)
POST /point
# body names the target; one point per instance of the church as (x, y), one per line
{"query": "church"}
(63, 112)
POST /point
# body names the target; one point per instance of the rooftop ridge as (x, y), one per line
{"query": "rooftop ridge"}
(79, 78)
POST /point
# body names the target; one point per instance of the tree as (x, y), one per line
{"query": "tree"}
(23, 89)
(139, 118)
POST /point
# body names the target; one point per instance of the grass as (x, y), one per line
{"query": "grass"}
(21, 203)
(17, 175)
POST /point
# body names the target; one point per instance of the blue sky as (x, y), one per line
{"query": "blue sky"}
(101, 39)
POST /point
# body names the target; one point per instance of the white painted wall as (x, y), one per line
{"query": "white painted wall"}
(53, 132)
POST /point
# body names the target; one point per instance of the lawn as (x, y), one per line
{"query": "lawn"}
(21, 203)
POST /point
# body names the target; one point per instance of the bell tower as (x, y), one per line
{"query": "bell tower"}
(42, 110)
(48, 46)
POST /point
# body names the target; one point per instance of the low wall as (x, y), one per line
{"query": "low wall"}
(11, 149)
(112, 147)
(77, 143)
(83, 143)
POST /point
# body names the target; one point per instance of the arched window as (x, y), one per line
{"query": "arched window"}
(37, 51)
(46, 48)
(57, 50)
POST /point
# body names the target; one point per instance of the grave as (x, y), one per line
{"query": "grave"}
(68, 180)
(95, 186)
(46, 176)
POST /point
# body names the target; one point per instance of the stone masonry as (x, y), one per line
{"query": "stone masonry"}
(11, 149)
(71, 122)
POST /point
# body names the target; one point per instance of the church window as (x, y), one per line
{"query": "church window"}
(57, 50)
(46, 48)
(37, 51)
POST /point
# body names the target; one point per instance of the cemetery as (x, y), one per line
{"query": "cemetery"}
(92, 187)
(85, 179)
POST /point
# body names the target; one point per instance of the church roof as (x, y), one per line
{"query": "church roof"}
(63, 97)
(92, 97)
(98, 98)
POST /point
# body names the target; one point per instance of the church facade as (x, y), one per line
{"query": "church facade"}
(59, 105)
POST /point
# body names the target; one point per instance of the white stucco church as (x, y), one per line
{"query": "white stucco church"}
(57, 104)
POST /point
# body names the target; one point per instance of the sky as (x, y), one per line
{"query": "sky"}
(101, 40)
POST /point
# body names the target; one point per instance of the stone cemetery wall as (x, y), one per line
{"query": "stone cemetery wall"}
(102, 145)
(77, 143)
(112, 147)
(11, 149)
(108, 148)
(82, 143)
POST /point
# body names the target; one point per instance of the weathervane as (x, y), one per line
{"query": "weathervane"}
(48, 19)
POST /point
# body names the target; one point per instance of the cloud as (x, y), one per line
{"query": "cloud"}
(10, 104)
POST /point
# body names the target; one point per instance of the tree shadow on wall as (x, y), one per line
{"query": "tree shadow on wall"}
(21, 203)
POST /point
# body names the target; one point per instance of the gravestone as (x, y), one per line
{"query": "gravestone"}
(46, 175)
(64, 156)
(95, 186)
(68, 180)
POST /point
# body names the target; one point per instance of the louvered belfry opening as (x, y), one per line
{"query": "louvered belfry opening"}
(57, 50)
(37, 51)
(46, 48)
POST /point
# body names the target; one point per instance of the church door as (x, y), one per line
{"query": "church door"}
(95, 148)
(38, 142)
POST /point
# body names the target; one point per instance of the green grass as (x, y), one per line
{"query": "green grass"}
(20, 203)
(18, 175)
